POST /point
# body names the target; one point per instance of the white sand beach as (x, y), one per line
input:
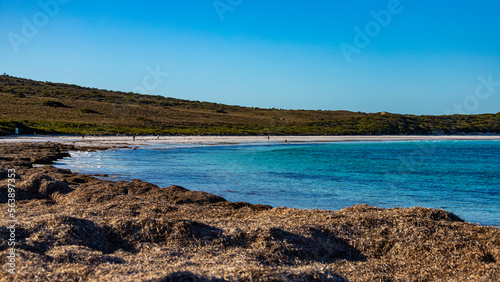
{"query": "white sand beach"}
(149, 140)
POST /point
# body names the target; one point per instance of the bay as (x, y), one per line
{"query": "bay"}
(459, 176)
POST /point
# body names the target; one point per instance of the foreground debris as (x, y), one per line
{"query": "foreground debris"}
(74, 227)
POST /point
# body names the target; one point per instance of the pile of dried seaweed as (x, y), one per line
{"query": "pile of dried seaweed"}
(75, 227)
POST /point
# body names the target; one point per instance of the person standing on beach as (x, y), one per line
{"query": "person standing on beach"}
(83, 136)
(133, 138)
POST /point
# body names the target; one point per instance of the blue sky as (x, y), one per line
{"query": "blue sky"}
(414, 57)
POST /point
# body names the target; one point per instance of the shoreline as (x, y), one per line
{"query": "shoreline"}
(104, 141)
(486, 218)
(75, 226)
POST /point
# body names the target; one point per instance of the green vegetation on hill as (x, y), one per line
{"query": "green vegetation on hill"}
(56, 108)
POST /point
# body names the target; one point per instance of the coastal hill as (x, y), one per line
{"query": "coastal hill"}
(56, 108)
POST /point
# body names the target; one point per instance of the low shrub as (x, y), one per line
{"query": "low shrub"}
(55, 104)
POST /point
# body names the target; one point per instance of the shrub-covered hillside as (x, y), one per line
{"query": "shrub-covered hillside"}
(56, 108)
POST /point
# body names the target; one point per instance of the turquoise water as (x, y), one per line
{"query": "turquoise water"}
(459, 176)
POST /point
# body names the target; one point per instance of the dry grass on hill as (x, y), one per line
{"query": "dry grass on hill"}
(24, 99)
(56, 108)
(75, 227)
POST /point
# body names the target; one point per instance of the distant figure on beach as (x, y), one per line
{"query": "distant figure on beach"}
(133, 138)
(83, 136)
(286, 141)
(268, 139)
(158, 137)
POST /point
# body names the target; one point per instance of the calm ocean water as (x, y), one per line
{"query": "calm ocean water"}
(459, 176)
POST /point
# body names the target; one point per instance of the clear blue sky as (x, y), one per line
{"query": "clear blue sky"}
(420, 57)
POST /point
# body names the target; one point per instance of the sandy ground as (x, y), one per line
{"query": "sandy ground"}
(149, 140)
